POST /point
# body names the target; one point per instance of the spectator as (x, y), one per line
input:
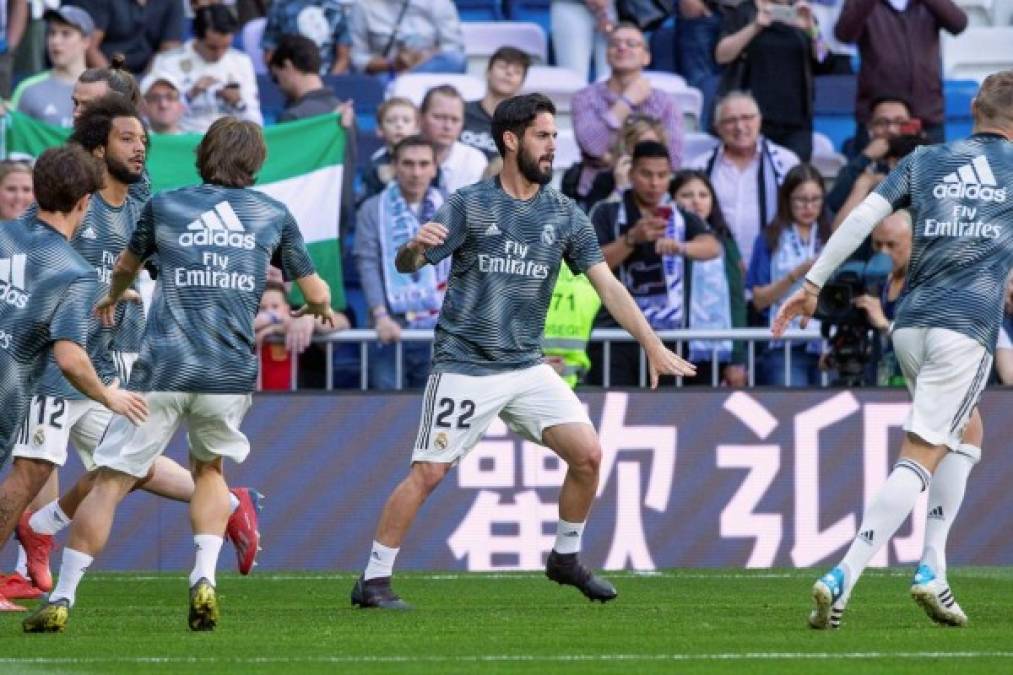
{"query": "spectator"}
(890, 117)
(580, 29)
(13, 24)
(503, 78)
(893, 238)
(898, 42)
(745, 169)
(385, 222)
(782, 254)
(322, 21)
(600, 109)
(390, 37)
(611, 185)
(16, 193)
(717, 296)
(396, 119)
(135, 29)
(697, 29)
(568, 325)
(95, 83)
(647, 241)
(776, 62)
(442, 119)
(217, 79)
(163, 106)
(1004, 350)
(47, 96)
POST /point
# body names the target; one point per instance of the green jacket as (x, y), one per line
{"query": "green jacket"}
(568, 324)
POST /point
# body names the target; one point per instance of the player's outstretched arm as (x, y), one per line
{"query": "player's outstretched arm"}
(621, 306)
(317, 294)
(126, 269)
(77, 368)
(411, 257)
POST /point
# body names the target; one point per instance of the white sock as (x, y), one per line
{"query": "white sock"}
(72, 570)
(568, 537)
(22, 566)
(233, 503)
(945, 496)
(884, 516)
(208, 547)
(50, 519)
(381, 561)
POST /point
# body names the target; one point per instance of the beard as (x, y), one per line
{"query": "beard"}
(528, 166)
(121, 172)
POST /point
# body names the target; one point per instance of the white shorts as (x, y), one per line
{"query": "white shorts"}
(212, 431)
(53, 423)
(946, 372)
(457, 409)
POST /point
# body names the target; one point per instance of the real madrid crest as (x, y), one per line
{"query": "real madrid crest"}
(441, 440)
(39, 437)
(548, 235)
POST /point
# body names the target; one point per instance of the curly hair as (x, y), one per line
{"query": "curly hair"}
(92, 128)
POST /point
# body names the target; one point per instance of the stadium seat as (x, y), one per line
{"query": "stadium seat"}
(826, 160)
(272, 101)
(690, 100)
(482, 39)
(670, 82)
(253, 31)
(979, 12)
(414, 86)
(977, 52)
(695, 144)
(567, 154)
(834, 107)
(958, 95)
(529, 10)
(559, 84)
(1002, 12)
(478, 10)
(366, 93)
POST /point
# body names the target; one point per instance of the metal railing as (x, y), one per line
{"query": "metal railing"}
(751, 336)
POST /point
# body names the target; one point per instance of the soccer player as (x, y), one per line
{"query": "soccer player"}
(198, 359)
(507, 236)
(959, 199)
(111, 130)
(47, 292)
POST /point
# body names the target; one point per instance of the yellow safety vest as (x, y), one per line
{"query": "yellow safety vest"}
(568, 324)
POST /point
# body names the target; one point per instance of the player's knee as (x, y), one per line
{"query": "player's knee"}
(588, 460)
(31, 474)
(427, 475)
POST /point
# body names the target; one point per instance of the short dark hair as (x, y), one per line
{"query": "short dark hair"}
(650, 150)
(511, 55)
(302, 52)
(117, 77)
(231, 153)
(218, 18)
(416, 141)
(92, 128)
(516, 114)
(63, 175)
(443, 90)
(889, 98)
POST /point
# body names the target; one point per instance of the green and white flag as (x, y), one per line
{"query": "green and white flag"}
(303, 170)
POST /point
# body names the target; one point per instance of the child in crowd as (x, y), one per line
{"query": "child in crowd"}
(273, 319)
(397, 118)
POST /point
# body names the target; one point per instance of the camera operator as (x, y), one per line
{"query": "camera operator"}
(892, 237)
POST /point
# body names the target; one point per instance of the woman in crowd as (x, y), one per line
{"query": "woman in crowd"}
(717, 296)
(783, 253)
(15, 189)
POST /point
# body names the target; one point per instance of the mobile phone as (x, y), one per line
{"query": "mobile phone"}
(912, 127)
(782, 13)
(664, 212)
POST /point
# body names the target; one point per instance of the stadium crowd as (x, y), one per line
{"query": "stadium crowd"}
(709, 234)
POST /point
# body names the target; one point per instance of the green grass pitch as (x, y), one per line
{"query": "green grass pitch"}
(679, 620)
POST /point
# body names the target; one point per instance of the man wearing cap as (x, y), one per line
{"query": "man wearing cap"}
(47, 96)
(163, 106)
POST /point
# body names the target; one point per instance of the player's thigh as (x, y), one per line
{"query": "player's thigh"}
(541, 400)
(133, 449)
(213, 422)
(45, 431)
(909, 349)
(456, 411)
(89, 430)
(950, 380)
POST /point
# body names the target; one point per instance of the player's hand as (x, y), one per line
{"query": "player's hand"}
(105, 310)
(130, 295)
(387, 330)
(802, 303)
(299, 333)
(429, 235)
(127, 403)
(663, 361)
(321, 311)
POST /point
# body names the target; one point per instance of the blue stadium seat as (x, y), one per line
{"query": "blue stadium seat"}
(536, 11)
(479, 10)
(272, 101)
(365, 90)
(663, 47)
(958, 95)
(835, 107)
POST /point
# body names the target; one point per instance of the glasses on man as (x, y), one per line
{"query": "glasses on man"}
(631, 43)
(740, 119)
(807, 201)
(890, 122)
(167, 97)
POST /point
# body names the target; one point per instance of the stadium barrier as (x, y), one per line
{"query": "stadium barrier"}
(700, 478)
(751, 336)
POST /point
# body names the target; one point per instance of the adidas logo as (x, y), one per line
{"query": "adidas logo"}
(492, 231)
(571, 533)
(88, 233)
(12, 277)
(867, 536)
(937, 513)
(218, 227)
(974, 180)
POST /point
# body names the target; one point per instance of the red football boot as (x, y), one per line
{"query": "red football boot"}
(8, 606)
(16, 587)
(37, 546)
(242, 528)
